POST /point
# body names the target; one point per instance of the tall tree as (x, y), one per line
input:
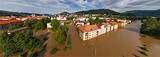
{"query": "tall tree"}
(55, 24)
(19, 42)
(39, 25)
(27, 23)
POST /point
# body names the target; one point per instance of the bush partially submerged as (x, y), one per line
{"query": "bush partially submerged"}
(54, 50)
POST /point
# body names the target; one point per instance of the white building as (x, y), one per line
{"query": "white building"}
(114, 24)
(83, 19)
(49, 25)
(91, 31)
(61, 18)
(111, 27)
(108, 27)
(83, 23)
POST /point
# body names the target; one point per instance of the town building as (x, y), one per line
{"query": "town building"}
(114, 24)
(49, 25)
(108, 27)
(7, 21)
(83, 23)
(91, 31)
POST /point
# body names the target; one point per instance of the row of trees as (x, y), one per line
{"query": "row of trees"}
(55, 24)
(20, 42)
(151, 26)
(61, 35)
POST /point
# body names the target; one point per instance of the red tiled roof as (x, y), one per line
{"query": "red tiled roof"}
(113, 22)
(9, 21)
(3, 22)
(105, 24)
(32, 18)
(14, 21)
(88, 28)
(41, 17)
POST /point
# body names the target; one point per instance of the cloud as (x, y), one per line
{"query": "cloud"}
(57, 6)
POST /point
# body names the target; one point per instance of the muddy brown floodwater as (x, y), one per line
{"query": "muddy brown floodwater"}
(123, 42)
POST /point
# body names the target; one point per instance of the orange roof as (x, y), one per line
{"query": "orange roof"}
(113, 22)
(4, 17)
(14, 21)
(3, 22)
(76, 20)
(41, 17)
(9, 21)
(88, 28)
(32, 18)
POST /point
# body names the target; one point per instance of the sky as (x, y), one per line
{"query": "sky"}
(58, 6)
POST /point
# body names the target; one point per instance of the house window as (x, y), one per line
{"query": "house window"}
(97, 32)
(86, 35)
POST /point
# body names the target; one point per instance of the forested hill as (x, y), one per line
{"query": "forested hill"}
(99, 11)
(9, 13)
(145, 12)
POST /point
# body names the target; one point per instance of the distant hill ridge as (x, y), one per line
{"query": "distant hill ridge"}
(95, 11)
(99, 11)
(145, 12)
(9, 13)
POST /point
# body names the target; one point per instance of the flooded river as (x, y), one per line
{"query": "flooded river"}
(123, 42)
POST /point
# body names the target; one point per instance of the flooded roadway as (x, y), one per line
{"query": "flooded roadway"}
(124, 42)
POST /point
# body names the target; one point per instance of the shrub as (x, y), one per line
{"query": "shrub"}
(142, 52)
(144, 48)
(69, 42)
(34, 54)
(54, 50)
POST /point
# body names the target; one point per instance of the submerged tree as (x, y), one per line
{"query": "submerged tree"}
(39, 25)
(27, 23)
(20, 42)
(55, 24)
(61, 35)
(151, 26)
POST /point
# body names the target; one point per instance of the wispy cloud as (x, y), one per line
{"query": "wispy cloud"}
(57, 6)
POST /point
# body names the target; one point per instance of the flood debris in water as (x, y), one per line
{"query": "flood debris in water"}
(144, 48)
(143, 53)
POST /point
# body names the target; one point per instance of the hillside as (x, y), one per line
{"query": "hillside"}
(8, 13)
(99, 11)
(145, 12)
